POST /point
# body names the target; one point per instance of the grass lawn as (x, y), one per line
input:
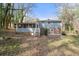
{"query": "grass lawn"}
(40, 46)
(9, 47)
(68, 46)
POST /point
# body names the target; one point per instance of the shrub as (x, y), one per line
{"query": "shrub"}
(63, 33)
(44, 31)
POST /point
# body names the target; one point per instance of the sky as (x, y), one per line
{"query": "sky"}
(46, 10)
(43, 10)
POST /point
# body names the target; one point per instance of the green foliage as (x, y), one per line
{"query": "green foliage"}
(9, 14)
(9, 46)
(67, 26)
(44, 31)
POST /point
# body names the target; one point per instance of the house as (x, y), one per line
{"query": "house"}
(35, 27)
(54, 26)
(30, 27)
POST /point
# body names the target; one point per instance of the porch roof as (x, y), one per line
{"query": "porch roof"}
(51, 21)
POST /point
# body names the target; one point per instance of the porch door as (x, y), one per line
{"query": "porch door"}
(55, 29)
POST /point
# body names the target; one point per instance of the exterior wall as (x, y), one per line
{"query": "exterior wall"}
(29, 30)
(37, 29)
(55, 30)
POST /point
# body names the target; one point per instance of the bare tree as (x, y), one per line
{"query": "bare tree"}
(67, 17)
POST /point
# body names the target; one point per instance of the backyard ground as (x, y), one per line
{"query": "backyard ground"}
(68, 45)
(41, 46)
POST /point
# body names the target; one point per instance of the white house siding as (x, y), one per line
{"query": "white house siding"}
(31, 30)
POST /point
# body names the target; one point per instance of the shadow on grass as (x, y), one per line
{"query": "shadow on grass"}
(9, 47)
(69, 48)
(38, 47)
